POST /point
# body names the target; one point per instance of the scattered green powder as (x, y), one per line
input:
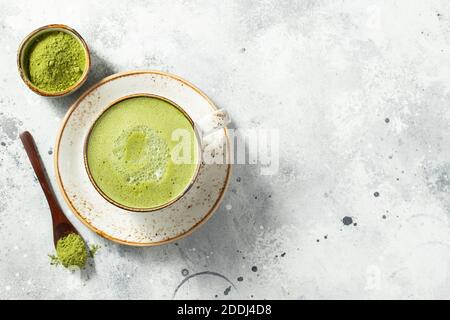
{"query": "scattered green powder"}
(54, 261)
(55, 61)
(93, 250)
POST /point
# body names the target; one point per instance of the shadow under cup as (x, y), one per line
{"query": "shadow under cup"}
(142, 153)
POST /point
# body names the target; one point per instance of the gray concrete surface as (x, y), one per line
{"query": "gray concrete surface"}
(360, 93)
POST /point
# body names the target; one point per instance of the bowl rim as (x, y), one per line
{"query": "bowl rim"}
(191, 181)
(27, 41)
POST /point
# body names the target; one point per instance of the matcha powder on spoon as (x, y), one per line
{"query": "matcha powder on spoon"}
(55, 61)
(71, 251)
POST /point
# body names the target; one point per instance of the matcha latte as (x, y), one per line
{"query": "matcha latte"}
(129, 153)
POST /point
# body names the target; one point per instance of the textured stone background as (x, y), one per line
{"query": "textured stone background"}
(360, 93)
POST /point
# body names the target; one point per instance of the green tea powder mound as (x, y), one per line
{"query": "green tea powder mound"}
(56, 61)
(71, 251)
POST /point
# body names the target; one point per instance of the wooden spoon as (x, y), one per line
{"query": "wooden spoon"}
(61, 225)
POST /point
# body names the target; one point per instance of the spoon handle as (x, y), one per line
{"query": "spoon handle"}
(58, 217)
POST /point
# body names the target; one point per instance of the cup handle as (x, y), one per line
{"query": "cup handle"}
(212, 122)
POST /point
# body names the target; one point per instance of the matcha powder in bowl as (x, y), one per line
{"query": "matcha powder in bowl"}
(54, 61)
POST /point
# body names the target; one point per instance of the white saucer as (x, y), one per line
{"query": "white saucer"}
(110, 221)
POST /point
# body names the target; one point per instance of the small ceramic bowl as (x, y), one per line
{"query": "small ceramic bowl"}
(29, 40)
